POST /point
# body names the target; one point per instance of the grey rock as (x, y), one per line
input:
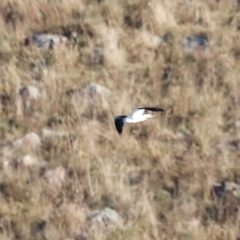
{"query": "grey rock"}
(46, 133)
(94, 89)
(28, 144)
(191, 43)
(48, 41)
(160, 40)
(134, 178)
(81, 236)
(219, 189)
(55, 176)
(237, 124)
(105, 218)
(39, 69)
(31, 92)
(28, 97)
(91, 93)
(97, 55)
(28, 160)
(31, 141)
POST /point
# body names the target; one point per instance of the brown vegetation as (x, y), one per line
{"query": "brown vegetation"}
(66, 173)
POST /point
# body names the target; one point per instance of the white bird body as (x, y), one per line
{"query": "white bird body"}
(136, 116)
(135, 119)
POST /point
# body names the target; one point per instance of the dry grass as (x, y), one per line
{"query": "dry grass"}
(158, 175)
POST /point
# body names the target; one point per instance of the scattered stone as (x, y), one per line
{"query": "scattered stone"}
(81, 236)
(55, 176)
(39, 69)
(31, 141)
(5, 164)
(134, 178)
(233, 145)
(31, 160)
(192, 43)
(237, 124)
(48, 41)
(38, 228)
(29, 95)
(46, 133)
(186, 206)
(105, 219)
(91, 93)
(28, 160)
(97, 56)
(189, 138)
(226, 205)
(219, 189)
(93, 89)
(160, 40)
(30, 92)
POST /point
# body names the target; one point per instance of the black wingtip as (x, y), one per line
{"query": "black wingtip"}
(153, 109)
(119, 123)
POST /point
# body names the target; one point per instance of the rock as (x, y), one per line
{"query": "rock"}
(81, 236)
(91, 93)
(31, 160)
(186, 206)
(219, 189)
(237, 124)
(55, 176)
(5, 164)
(134, 178)
(160, 40)
(190, 138)
(29, 96)
(226, 206)
(92, 89)
(97, 56)
(38, 228)
(46, 133)
(192, 43)
(104, 219)
(30, 141)
(48, 41)
(233, 145)
(31, 92)
(39, 69)
(28, 160)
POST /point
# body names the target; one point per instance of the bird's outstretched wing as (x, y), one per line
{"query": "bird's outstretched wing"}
(119, 123)
(153, 109)
(137, 112)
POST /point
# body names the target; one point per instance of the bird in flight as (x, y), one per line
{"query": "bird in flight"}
(136, 116)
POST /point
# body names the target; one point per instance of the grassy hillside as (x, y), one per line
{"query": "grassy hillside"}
(61, 156)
